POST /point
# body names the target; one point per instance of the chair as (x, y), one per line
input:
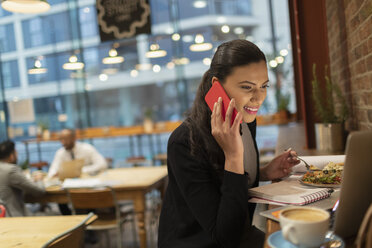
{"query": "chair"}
(2, 209)
(73, 238)
(100, 199)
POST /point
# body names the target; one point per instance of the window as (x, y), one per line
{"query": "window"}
(10, 74)
(7, 41)
(34, 30)
(88, 22)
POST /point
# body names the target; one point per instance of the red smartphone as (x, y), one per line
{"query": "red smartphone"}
(212, 96)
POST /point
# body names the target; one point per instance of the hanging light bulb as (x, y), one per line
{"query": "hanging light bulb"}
(199, 4)
(113, 58)
(155, 52)
(73, 64)
(37, 69)
(26, 6)
(200, 45)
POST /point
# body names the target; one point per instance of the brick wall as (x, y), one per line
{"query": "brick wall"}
(349, 24)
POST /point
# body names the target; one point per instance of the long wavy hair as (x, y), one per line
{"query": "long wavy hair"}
(228, 56)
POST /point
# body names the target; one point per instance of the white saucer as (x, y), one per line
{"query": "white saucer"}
(276, 240)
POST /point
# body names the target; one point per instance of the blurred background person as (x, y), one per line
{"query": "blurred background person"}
(94, 162)
(13, 183)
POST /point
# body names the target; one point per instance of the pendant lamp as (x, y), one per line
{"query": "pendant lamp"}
(26, 6)
(113, 58)
(73, 64)
(37, 69)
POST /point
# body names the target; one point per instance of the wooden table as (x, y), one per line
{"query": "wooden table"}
(35, 231)
(130, 184)
(291, 135)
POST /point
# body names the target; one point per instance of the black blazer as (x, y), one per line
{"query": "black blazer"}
(199, 209)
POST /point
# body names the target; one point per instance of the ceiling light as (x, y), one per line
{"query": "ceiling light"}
(199, 45)
(279, 59)
(199, 4)
(156, 68)
(176, 37)
(207, 61)
(103, 77)
(26, 6)
(73, 64)
(143, 67)
(113, 58)
(238, 30)
(37, 69)
(225, 29)
(284, 52)
(155, 52)
(273, 63)
(170, 65)
(133, 73)
(15, 99)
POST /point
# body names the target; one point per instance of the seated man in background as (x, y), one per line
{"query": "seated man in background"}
(94, 162)
(13, 183)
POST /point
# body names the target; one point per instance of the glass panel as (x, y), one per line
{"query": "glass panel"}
(34, 30)
(113, 94)
(88, 22)
(10, 74)
(7, 41)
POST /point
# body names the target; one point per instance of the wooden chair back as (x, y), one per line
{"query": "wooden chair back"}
(92, 198)
(73, 238)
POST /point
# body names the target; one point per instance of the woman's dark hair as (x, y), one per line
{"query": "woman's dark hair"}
(6, 149)
(228, 56)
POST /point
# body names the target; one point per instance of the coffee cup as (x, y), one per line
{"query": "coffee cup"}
(304, 226)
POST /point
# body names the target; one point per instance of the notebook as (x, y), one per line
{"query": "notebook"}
(289, 191)
(356, 185)
(70, 169)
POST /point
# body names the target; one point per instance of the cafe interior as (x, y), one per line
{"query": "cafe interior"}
(123, 74)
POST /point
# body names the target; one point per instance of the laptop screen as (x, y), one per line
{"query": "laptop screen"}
(356, 195)
(70, 169)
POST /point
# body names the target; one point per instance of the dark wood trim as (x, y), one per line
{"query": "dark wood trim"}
(309, 45)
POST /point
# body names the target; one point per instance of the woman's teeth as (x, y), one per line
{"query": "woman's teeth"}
(251, 109)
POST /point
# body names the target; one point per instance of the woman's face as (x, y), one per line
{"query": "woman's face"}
(248, 85)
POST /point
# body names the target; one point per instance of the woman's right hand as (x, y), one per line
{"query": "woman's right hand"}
(228, 136)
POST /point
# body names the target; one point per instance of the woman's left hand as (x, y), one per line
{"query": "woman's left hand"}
(280, 166)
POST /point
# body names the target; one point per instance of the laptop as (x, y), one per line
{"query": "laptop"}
(356, 196)
(70, 169)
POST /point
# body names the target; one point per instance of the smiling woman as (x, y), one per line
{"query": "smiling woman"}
(213, 161)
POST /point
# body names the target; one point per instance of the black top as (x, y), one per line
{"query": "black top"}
(200, 210)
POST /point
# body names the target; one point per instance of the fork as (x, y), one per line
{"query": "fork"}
(306, 164)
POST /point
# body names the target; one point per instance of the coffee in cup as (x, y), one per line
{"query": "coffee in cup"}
(304, 226)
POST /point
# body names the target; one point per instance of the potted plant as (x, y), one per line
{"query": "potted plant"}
(284, 99)
(330, 132)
